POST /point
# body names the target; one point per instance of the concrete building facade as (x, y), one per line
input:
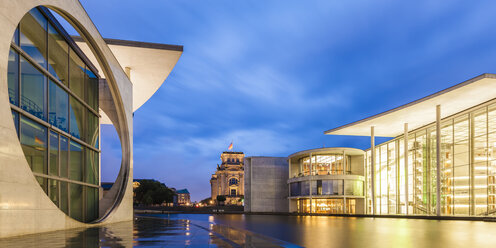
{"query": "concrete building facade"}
(229, 178)
(54, 99)
(266, 188)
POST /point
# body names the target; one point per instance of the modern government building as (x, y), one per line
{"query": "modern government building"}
(56, 91)
(440, 161)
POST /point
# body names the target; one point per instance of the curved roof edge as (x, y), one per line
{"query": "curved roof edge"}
(347, 150)
(421, 112)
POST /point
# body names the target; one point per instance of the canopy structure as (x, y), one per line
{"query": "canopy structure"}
(423, 111)
(146, 64)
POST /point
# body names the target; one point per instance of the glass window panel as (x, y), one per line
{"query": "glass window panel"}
(91, 203)
(348, 187)
(402, 182)
(384, 179)
(13, 77)
(91, 170)
(15, 38)
(93, 131)
(76, 74)
(420, 174)
(480, 162)
(33, 36)
(53, 189)
(491, 170)
(64, 197)
(33, 85)
(15, 116)
(305, 188)
(447, 167)
(295, 189)
(77, 118)
(313, 184)
(76, 165)
(59, 107)
(34, 144)
(432, 178)
(54, 154)
(391, 177)
(327, 187)
(92, 90)
(461, 167)
(43, 183)
(64, 156)
(76, 201)
(58, 54)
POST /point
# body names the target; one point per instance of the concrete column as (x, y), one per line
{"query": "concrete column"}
(438, 160)
(344, 162)
(372, 167)
(405, 159)
(310, 182)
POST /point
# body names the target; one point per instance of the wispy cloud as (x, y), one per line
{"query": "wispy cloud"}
(272, 76)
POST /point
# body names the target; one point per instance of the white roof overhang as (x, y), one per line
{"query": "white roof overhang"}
(148, 64)
(423, 111)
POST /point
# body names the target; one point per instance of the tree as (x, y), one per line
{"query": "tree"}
(152, 192)
(221, 198)
(206, 201)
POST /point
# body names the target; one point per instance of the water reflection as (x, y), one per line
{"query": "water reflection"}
(203, 230)
(327, 231)
(147, 231)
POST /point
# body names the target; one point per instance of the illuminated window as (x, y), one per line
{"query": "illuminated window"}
(233, 181)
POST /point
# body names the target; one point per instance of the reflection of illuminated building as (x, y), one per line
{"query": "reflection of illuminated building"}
(327, 180)
(446, 165)
(228, 180)
(56, 91)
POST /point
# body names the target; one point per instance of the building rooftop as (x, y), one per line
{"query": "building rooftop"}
(230, 152)
(182, 191)
(422, 112)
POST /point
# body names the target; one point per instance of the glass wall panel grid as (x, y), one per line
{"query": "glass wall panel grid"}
(39, 93)
(461, 165)
(491, 170)
(447, 190)
(479, 157)
(368, 182)
(391, 177)
(432, 170)
(377, 180)
(384, 179)
(402, 174)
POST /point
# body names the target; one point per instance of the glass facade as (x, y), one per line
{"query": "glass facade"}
(323, 182)
(467, 168)
(54, 99)
(332, 164)
(326, 206)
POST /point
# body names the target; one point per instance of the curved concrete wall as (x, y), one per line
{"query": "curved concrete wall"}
(24, 206)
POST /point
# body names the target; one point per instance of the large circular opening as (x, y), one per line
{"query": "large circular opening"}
(54, 97)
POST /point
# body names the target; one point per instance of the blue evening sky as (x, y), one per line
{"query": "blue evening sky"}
(271, 76)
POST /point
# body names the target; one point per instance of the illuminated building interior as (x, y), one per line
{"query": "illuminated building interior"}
(450, 163)
(327, 181)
